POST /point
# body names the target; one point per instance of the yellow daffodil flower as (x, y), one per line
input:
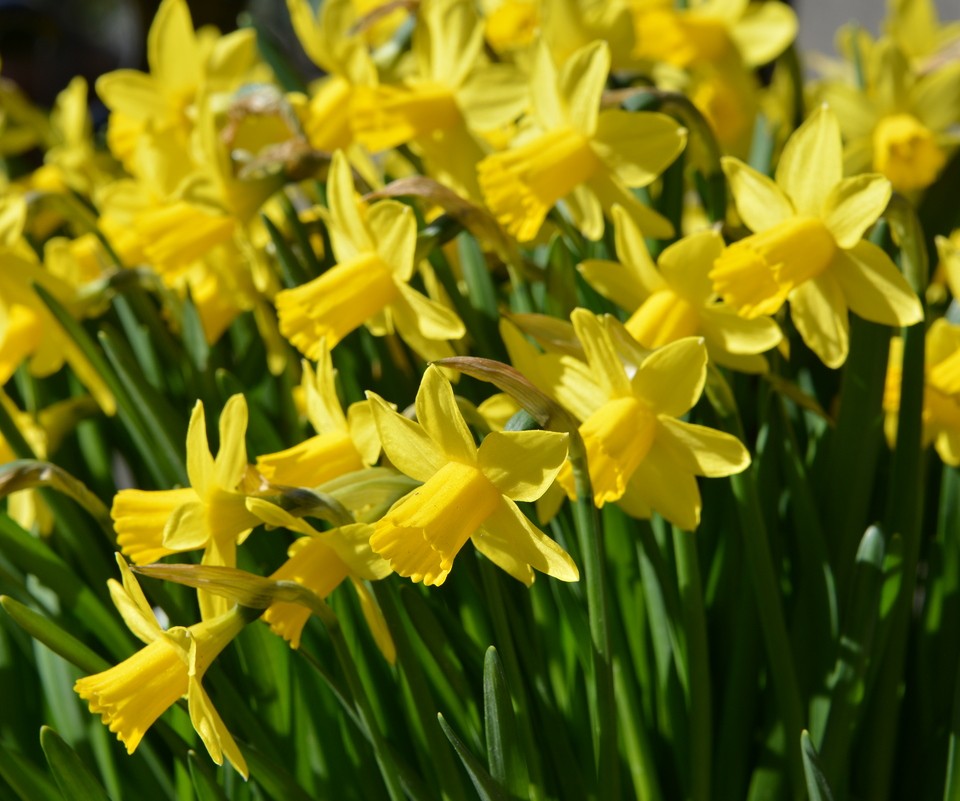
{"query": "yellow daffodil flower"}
(209, 514)
(712, 31)
(900, 123)
(808, 244)
(638, 452)
(468, 493)
(678, 300)
(320, 561)
(343, 442)
(941, 391)
(576, 153)
(374, 248)
(916, 27)
(132, 695)
(453, 95)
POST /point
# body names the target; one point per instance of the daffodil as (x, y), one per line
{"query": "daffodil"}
(916, 27)
(374, 248)
(639, 453)
(941, 391)
(132, 695)
(677, 300)
(210, 514)
(575, 153)
(343, 442)
(321, 561)
(454, 94)
(711, 31)
(468, 493)
(900, 123)
(808, 244)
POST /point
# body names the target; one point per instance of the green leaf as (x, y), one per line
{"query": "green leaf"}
(293, 272)
(817, 786)
(504, 753)
(28, 781)
(76, 783)
(205, 785)
(55, 638)
(487, 787)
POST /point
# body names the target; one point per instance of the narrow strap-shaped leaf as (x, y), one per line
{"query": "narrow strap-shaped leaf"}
(51, 635)
(204, 784)
(28, 781)
(504, 753)
(292, 271)
(487, 787)
(75, 781)
(817, 787)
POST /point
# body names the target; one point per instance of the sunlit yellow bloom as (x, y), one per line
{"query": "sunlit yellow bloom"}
(639, 453)
(131, 696)
(320, 561)
(915, 26)
(468, 493)
(900, 123)
(678, 300)
(808, 247)
(343, 442)
(712, 31)
(375, 249)
(210, 514)
(941, 392)
(453, 95)
(510, 24)
(578, 154)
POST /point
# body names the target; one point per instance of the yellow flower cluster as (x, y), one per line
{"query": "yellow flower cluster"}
(516, 110)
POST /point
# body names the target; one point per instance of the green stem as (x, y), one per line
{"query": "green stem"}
(603, 709)
(766, 586)
(698, 663)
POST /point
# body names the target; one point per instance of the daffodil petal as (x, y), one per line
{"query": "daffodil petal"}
(667, 488)
(405, 443)
(586, 211)
(548, 107)
(375, 622)
(819, 311)
(601, 355)
(761, 204)
(140, 516)
(493, 96)
(637, 146)
(686, 265)
(142, 623)
(581, 82)
(874, 288)
(764, 32)
(200, 465)
(701, 450)
(671, 378)
(724, 328)
(394, 231)
(853, 205)
(936, 97)
(611, 191)
(131, 93)
(323, 406)
(231, 461)
(433, 320)
(438, 413)
(186, 528)
(522, 464)
(812, 162)
(209, 725)
(509, 538)
(616, 282)
(633, 253)
(348, 234)
(172, 51)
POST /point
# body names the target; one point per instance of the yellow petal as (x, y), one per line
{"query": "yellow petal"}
(363, 431)
(130, 93)
(493, 96)
(701, 450)
(667, 488)
(323, 406)
(231, 461)
(433, 319)
(187, 528)
(448, 41)
(764, 32)
(601, 354)
(510, 540)
(200, 464)
(581, 82)
(686, 265)
(172, 51)
(616, 282)
(140, 517)
(761, 204)
(819, 311)
(522, 464)
(405, 443)
(376, 622)
(662, 318)
(671, 378)
(548, 105)
(611, 192)
(617, 438)
(724, 328)
(350, 236)
(637, 146)
(314, 461)
(438, 414)
(812, 162)
(632, 251)
(874, 288)
(585, 210)
(208, 724)
(394, 232)
(854, 205)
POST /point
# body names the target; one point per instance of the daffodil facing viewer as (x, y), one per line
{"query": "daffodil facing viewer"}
(808, 244)
(469, 493)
